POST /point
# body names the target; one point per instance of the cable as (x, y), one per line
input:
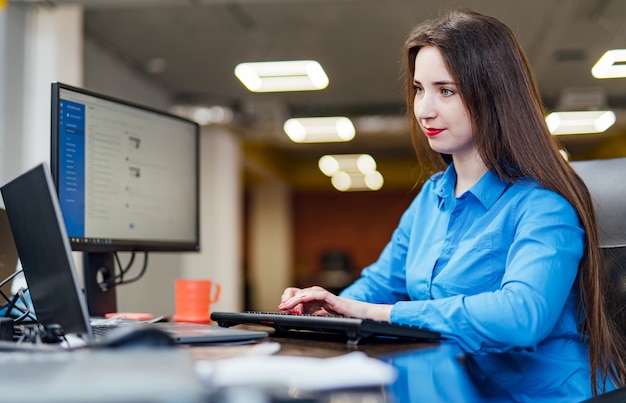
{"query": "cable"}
(25, 314)
(12, 305)
(11, 277)
(123, 270)
(118, 279)
(36, 333)
(6, 280)
(138, 276)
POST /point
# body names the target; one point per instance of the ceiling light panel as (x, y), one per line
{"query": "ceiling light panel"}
(319, 130)
(361, 163)
(351, 182)
(351, 172)
(282, 76)
(611, 65)
(580, 122)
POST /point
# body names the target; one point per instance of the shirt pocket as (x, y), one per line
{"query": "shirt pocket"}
(476, 266)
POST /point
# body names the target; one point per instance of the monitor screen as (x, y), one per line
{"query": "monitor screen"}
(126, 175)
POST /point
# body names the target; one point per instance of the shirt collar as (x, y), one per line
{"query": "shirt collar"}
(487, 190)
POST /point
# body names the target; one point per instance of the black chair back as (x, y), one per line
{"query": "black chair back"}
(606, 180)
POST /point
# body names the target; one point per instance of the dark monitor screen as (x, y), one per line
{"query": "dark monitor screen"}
(126, 175)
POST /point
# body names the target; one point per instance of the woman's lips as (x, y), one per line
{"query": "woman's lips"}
(430, 132)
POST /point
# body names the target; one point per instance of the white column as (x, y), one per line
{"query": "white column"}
(220, 214)
(10, 53)
(54, 52)
(38, 45)
(270, 243)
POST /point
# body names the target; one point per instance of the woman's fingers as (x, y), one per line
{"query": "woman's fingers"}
(307, 299)
(318, 301)
(288, 293)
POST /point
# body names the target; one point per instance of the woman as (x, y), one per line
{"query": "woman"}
(499, 250)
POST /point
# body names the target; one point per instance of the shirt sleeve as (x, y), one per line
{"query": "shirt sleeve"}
(541, 267)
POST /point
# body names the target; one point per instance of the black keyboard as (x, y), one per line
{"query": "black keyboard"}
(354, 329)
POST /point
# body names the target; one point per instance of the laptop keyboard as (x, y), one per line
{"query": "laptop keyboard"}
(102, 330)
(101, 327)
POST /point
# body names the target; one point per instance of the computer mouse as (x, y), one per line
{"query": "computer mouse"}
(134, 337)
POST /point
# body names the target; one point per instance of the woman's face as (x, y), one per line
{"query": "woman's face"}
(439, 109)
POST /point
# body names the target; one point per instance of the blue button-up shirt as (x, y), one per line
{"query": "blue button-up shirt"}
(492, 269)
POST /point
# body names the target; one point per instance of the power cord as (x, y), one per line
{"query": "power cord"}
(123, 270)
(24, 329)
(119, 278)
(6, 280)
(37, 333)
(11, 304)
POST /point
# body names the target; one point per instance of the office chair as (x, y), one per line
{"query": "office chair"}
(606, 180)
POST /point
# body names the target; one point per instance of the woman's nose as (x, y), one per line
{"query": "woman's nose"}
(424, 108)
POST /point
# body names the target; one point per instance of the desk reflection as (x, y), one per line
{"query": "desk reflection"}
(427, 372)
(432, 375)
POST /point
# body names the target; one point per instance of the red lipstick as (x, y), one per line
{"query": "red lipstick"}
(430, 132)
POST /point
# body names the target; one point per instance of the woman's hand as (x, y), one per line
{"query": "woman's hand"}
(287, 294)
(318, 301)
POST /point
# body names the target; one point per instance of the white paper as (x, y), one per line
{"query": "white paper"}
(354, 369)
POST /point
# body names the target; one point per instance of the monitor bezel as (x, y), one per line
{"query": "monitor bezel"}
(123, 245)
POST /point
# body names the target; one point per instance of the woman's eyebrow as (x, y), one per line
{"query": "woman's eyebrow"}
(444, 82)
(441, 82)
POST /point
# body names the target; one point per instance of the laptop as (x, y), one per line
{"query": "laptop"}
(43, 246)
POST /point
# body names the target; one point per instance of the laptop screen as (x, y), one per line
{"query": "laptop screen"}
(42, 244)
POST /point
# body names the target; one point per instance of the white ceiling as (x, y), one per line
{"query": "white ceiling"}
(358, 42)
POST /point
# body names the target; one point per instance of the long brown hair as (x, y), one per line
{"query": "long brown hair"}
(499, 90)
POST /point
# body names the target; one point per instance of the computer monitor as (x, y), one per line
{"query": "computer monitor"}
(127, 177)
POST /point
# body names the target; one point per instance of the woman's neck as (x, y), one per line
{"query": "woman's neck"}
(468, 172)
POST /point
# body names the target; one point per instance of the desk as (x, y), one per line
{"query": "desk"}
(318, 346)
(427, 372)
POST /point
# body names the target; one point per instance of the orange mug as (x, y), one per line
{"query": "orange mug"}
(193, 300)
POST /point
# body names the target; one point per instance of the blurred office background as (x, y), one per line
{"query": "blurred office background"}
(270, 217)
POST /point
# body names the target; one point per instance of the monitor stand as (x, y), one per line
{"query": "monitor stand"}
(98, 280)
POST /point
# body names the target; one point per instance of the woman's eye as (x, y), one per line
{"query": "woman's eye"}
(447, 92)
(418, 89)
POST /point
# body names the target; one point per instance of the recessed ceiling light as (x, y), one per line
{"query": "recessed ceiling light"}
(580, 122)
(331, 164)
(351, 172)
(612, 64)
(319, 130)
(345, 182)
(295, 75)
